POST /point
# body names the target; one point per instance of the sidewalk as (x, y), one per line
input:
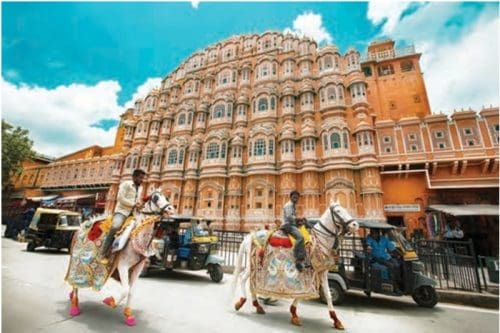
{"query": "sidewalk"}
(482, 300)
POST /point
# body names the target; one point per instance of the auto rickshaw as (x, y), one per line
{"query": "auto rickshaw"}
(356, 270)
(192, 247)
(52, 228)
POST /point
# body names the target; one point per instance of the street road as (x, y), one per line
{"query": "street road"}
(35, 299)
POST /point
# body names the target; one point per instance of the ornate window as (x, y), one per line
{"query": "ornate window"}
(308, 144)
(259, 148)
(219, 111)
(327, 62)
(335, 141)
(263, 106)
(182, 119)
(172, 157)
(212, 151)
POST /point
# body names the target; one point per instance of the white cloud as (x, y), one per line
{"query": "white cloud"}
(459, 59)
(143, 90)
(311, 25)
(195, 3)
(59, 119)
(386, 12)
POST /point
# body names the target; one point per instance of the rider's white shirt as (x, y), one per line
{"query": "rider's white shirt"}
(128, 196)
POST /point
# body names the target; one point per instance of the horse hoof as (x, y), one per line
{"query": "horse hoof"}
(260, 310)
(74, 311)
(240, 303)
(338, 325)
(130, 321)
(296, 321)
(110, 301)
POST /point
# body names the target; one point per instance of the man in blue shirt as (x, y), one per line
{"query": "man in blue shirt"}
(379, 246)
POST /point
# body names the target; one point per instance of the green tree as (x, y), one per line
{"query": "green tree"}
(16, 148)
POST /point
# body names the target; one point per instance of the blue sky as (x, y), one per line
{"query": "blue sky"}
(82, 62)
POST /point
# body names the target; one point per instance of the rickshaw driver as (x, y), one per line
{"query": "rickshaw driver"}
(127, 199)
(379, 247)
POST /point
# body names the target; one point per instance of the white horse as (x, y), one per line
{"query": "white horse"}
(326, 234)
(128, 261)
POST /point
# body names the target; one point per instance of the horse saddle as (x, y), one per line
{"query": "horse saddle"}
(102, 227)
(279, 238)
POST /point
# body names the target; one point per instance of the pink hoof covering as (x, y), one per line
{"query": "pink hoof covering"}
(130, 321)
(74, 311)
(109, 301)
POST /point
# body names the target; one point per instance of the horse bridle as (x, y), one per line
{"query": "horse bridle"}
(162, 209)
(335, 216)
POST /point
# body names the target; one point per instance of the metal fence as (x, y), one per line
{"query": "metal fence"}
(453, 264)
(229, 242)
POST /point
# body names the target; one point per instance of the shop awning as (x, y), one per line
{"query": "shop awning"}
(45, 198)
(73, 198)
(467, 210)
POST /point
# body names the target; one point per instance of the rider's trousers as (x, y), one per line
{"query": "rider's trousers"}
(299, 250)
(118, 220)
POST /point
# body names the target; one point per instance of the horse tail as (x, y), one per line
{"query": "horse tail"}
(239, 263)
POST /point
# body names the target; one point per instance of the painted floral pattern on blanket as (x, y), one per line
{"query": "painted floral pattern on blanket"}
(275, 274)
(85, 270)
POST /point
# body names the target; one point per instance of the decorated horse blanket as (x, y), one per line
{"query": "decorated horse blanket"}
(85, 269)
(273, 272)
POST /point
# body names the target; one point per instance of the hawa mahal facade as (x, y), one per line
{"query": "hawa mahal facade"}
(239, 125)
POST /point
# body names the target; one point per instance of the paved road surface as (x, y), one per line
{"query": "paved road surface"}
(34, 299)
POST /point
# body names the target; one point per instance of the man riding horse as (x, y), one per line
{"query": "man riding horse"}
(290, 227)
(127, 200)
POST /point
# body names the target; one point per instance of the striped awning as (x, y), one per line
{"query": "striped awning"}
(467, 210)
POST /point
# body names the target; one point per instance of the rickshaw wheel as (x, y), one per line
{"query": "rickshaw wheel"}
(338, 294)
(216, 272)
(425, 296)
(30, 247)
(336, 291)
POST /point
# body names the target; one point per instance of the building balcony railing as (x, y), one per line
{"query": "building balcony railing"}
(213, 162)
(261, 159)
(396, 53)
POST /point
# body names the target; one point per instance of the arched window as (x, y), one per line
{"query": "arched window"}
(263, 106)
(223, 150)
(190, 118)
(271, 147)
(259, 147)
(341, 92)
(273, 103)
(328, 62)
(335, 141)
(325, 141)
(219, 111)
(172, 157)
(129, 161)
(331, 94)
(346, 140)
(181, 156)
(182, 119)
(212, 151)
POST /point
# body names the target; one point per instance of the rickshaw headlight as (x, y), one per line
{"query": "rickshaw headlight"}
(418, 266)
(204, 248)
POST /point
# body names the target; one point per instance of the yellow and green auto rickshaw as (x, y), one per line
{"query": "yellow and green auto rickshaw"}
(52, 228)
(187, 243)
(357, 270)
